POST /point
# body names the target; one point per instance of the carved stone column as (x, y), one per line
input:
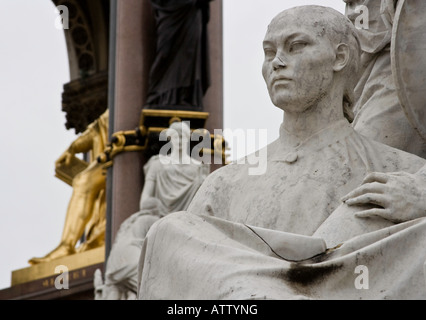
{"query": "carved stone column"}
(133, 54)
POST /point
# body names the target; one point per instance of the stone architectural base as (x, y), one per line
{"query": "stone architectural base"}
(38, 282)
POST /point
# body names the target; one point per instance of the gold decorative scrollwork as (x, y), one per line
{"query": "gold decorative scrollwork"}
(152, 123)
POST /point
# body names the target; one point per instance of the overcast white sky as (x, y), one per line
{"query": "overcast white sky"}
(33, 69)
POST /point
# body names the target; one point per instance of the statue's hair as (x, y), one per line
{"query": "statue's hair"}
(338, 29)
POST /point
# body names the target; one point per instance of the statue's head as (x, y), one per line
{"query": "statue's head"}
(310, 51)
(179, 134)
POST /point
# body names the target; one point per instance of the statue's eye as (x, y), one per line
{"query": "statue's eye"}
(297, 46)
(269, 53)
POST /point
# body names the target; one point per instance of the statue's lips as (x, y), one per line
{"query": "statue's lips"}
(280, 80)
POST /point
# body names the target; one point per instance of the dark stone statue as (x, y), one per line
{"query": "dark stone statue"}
(179, 76)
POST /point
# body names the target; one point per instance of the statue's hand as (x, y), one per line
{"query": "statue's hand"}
(397, 196)
(65, 158)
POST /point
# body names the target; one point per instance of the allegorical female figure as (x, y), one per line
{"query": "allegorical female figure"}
(379, 114)
(179, 76)
(171, 181)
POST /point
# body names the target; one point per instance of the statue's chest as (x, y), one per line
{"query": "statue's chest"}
(290, 198)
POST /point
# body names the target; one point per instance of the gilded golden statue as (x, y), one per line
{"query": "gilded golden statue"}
(87, 206)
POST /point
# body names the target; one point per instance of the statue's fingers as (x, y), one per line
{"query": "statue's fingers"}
(375, 212)
(398, 174)
(374, 187)
(60, 160)
(379, 177)
(349, 195)
(369, 198)
(354, 193)
(68, 159)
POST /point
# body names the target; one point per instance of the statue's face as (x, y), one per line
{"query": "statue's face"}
(175, 137)
(298, 65)
(179, 136)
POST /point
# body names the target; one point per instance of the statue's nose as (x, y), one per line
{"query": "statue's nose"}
(278, 63)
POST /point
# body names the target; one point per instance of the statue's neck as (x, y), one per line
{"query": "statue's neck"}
(179, 156)
(298, 127)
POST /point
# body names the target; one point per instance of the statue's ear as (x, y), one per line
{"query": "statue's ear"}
(342, 57)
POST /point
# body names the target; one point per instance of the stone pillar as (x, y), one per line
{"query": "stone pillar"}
(213, 100)
(133, 53)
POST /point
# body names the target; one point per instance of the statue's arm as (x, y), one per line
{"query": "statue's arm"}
(151, 170)
(147, 192)
(397, 196)
(83, 143)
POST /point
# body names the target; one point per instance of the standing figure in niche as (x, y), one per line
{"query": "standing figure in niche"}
(180, 75)
(171, 181)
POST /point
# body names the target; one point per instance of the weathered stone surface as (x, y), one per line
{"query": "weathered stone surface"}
(244, 236)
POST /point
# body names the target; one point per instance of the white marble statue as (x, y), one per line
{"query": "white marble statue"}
(379, 114)
(378, 111)
(331, 203)
(171, 180)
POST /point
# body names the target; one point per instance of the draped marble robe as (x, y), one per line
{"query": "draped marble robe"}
(280, 235)
(175, 183)
(378, 111)
(175, 186)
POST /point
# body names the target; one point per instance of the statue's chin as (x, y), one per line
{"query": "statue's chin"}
(289, 107)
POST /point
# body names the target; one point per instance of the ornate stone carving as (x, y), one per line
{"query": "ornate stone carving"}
(84, 100)
(85, 97)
